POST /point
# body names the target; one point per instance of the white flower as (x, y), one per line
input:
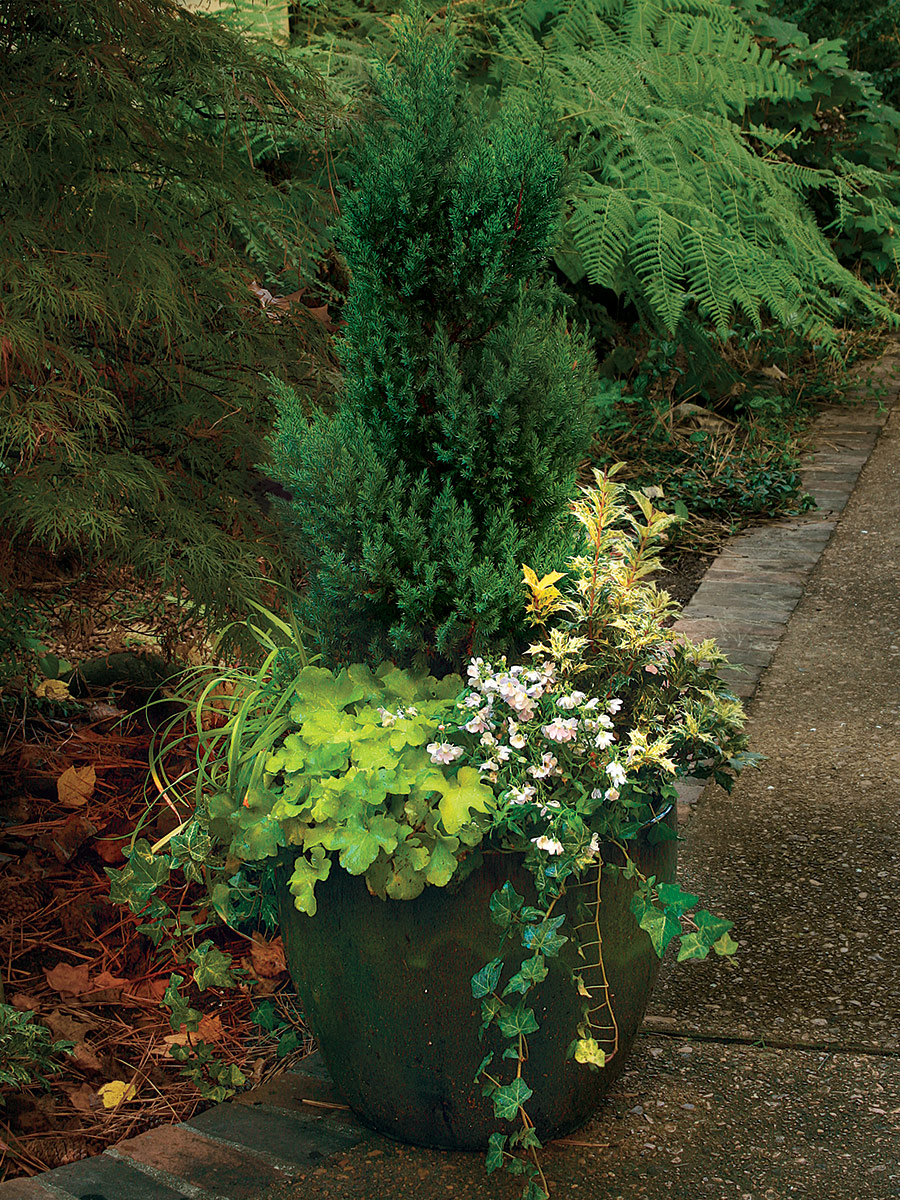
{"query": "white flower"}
(387, 718)
(560, 730)
(443, 752)
(612, 794)
(473, 670)
(487, 738)
(521, 795)
(605, 721)
(593, 849)
(473, 700)
(480, 721)
(571, 701)
(614, 705)
(502, 752)
(597, 794)
(550, 845)
(545, 811)
(616, 773)
(548, 767)
(604, 739)
(516, 739)
(591, 704)
(411, 712)
(489, 767)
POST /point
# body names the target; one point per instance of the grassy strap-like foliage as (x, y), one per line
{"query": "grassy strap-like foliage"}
(131, 349)
(452, 455)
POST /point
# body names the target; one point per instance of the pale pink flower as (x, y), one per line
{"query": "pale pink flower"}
(444, 752)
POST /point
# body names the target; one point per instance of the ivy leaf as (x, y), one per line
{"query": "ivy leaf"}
(710, 929)
(494, 1157)
(490, 1006)
(518, 1020)
(534, 1191)
(587, 1051)
(182, 1015)
(505, 904)
(661, 926)
(725, 945)
(532, 972)
(509, 1099)
(674, 899)
(484, 1064)
(213, 968)
(485, 981)
(543, 938)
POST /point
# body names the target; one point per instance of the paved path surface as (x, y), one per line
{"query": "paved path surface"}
(775, 1077)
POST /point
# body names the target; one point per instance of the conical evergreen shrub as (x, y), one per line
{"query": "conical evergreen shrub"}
(451, 458)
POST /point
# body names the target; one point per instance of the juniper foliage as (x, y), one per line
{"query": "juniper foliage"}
(131, 403)
(451, 458)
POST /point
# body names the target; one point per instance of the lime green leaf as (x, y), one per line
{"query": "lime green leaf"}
(360, 845)
(318, 688)
(509, 1099)
(442, 864)
(587, 1051)
(532, 972)
(461, 795)
(485, 981)
(213, 968)
(513, 1021)
(307, 872)
(259, 840)
(725, 944)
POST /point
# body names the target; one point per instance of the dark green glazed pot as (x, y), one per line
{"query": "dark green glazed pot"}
(385, 987)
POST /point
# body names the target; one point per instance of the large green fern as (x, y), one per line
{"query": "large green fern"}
(678, 204)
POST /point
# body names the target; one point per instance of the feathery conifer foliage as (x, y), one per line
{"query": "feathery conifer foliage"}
(674, 207)
(452, 456)
(131, 401)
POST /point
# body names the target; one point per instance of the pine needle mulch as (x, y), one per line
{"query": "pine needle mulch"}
(74, 789)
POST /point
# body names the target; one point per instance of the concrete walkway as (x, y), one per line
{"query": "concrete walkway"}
(776, 1076)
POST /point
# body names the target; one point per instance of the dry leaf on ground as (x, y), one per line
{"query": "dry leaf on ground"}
(64, 841)
(210, 1030)
(114, 1093)
(76, 786)
(83, 1098)
(106, 988)
(267, 957)
(69, 980)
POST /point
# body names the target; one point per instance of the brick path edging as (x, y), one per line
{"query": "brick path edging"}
(273, 1133)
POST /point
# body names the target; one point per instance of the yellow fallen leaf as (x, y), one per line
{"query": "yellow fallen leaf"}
(112, 1094)
(76, 786)
(52, 689)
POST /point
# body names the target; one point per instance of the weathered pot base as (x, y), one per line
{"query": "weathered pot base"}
(385, 987)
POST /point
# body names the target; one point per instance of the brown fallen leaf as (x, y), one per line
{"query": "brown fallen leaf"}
(148, 989)
(76, 786)
(267, 957)
(65, 840)
(67, 1027)
(84, 1098)
(52, 689)
(86, 1058)
(24, 1002)
(106, 988)
(210, 1030)
(69, 980)
(109, 849)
